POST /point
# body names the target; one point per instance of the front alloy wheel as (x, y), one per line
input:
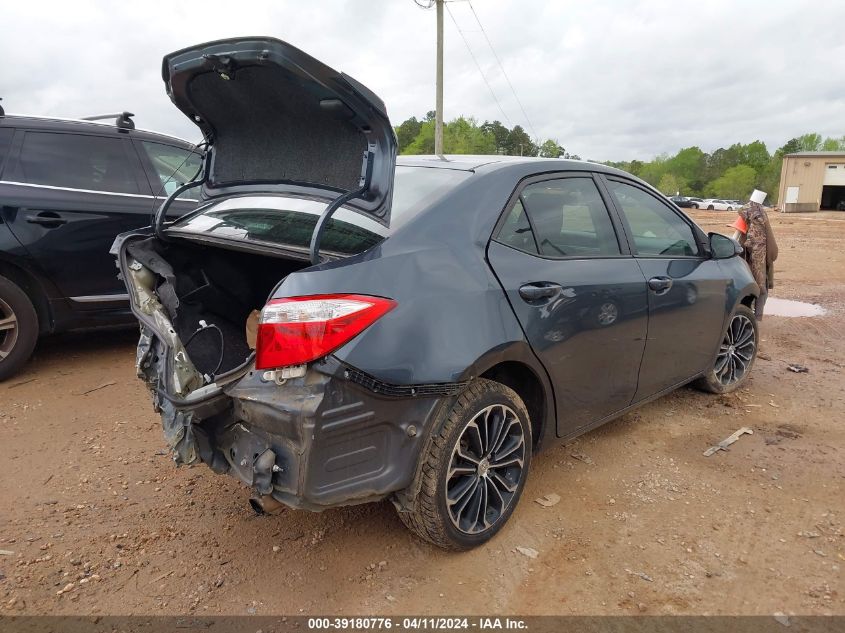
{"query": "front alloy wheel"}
(473, 469)
(737, 351)
(736, 354)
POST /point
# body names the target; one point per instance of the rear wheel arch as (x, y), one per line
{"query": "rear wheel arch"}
(534, 391)
(528, 385)
(426, 509)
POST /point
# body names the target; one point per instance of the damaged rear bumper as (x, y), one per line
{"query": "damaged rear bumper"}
(334, 436)
(314, 442)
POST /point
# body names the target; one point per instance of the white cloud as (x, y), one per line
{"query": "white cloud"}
(610, 79)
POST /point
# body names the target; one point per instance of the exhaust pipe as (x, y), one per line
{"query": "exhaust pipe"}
(265, 505)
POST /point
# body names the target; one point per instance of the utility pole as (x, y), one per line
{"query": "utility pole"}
(438, 106)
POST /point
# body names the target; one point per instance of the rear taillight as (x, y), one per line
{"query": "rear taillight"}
(299, 330)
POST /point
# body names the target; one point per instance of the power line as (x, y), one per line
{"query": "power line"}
(498, 61)
(477, 65)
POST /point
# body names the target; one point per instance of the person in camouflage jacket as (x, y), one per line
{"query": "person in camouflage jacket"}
(761, 250)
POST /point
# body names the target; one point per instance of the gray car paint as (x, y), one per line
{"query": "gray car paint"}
(436, 268)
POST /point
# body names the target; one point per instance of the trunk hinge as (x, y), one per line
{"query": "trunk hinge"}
(363, 185)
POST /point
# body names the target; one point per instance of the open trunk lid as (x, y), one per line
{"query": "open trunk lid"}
(277, 120)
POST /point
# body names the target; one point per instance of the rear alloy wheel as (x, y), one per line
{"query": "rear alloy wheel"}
(18, 328)
(474, 469)
(736, 354)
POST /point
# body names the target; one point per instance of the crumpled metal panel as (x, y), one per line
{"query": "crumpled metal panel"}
(179, 433)
(184, 377)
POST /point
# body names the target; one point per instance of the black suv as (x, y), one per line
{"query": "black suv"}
(67, 188)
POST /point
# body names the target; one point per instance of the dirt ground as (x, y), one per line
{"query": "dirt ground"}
(96, 519)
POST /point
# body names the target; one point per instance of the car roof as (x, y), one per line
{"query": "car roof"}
(80, 125)
(470, 162)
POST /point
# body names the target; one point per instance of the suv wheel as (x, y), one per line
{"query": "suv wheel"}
(736, 354)
(474, 469)
(18, 328)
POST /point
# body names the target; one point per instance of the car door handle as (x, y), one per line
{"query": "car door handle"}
(660, 285)
(48, 219)
(539, 290)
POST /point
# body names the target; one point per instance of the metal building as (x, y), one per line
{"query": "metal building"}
(812, 181)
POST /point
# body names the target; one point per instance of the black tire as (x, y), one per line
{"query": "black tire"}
(710, 207)
(730, 208)
(430, 516)
(714, 380)
(18, 328)
(694, 205)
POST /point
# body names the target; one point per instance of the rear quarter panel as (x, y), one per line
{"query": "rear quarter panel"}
(451, 312)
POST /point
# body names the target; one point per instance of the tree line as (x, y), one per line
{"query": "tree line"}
(465, 135)
(731, 172)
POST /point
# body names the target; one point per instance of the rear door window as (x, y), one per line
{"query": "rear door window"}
(516, 230)
(569, 218)
(77, 161)
(657, 230)
(174, 167)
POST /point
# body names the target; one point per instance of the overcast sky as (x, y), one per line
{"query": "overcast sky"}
(609, 79)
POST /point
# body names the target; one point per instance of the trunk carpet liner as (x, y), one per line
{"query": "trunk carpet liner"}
(204, 348)
(293, 146)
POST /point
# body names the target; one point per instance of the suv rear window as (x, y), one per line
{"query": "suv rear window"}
(77, 161)
(174, 167)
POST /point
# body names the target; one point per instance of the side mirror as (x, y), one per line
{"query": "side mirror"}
(723, 247)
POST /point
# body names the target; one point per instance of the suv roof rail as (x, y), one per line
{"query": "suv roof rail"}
(123, 120)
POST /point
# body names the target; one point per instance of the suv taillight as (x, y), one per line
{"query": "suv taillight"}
(298, 330)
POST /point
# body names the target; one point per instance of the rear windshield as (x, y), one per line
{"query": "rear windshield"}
(289, 222)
